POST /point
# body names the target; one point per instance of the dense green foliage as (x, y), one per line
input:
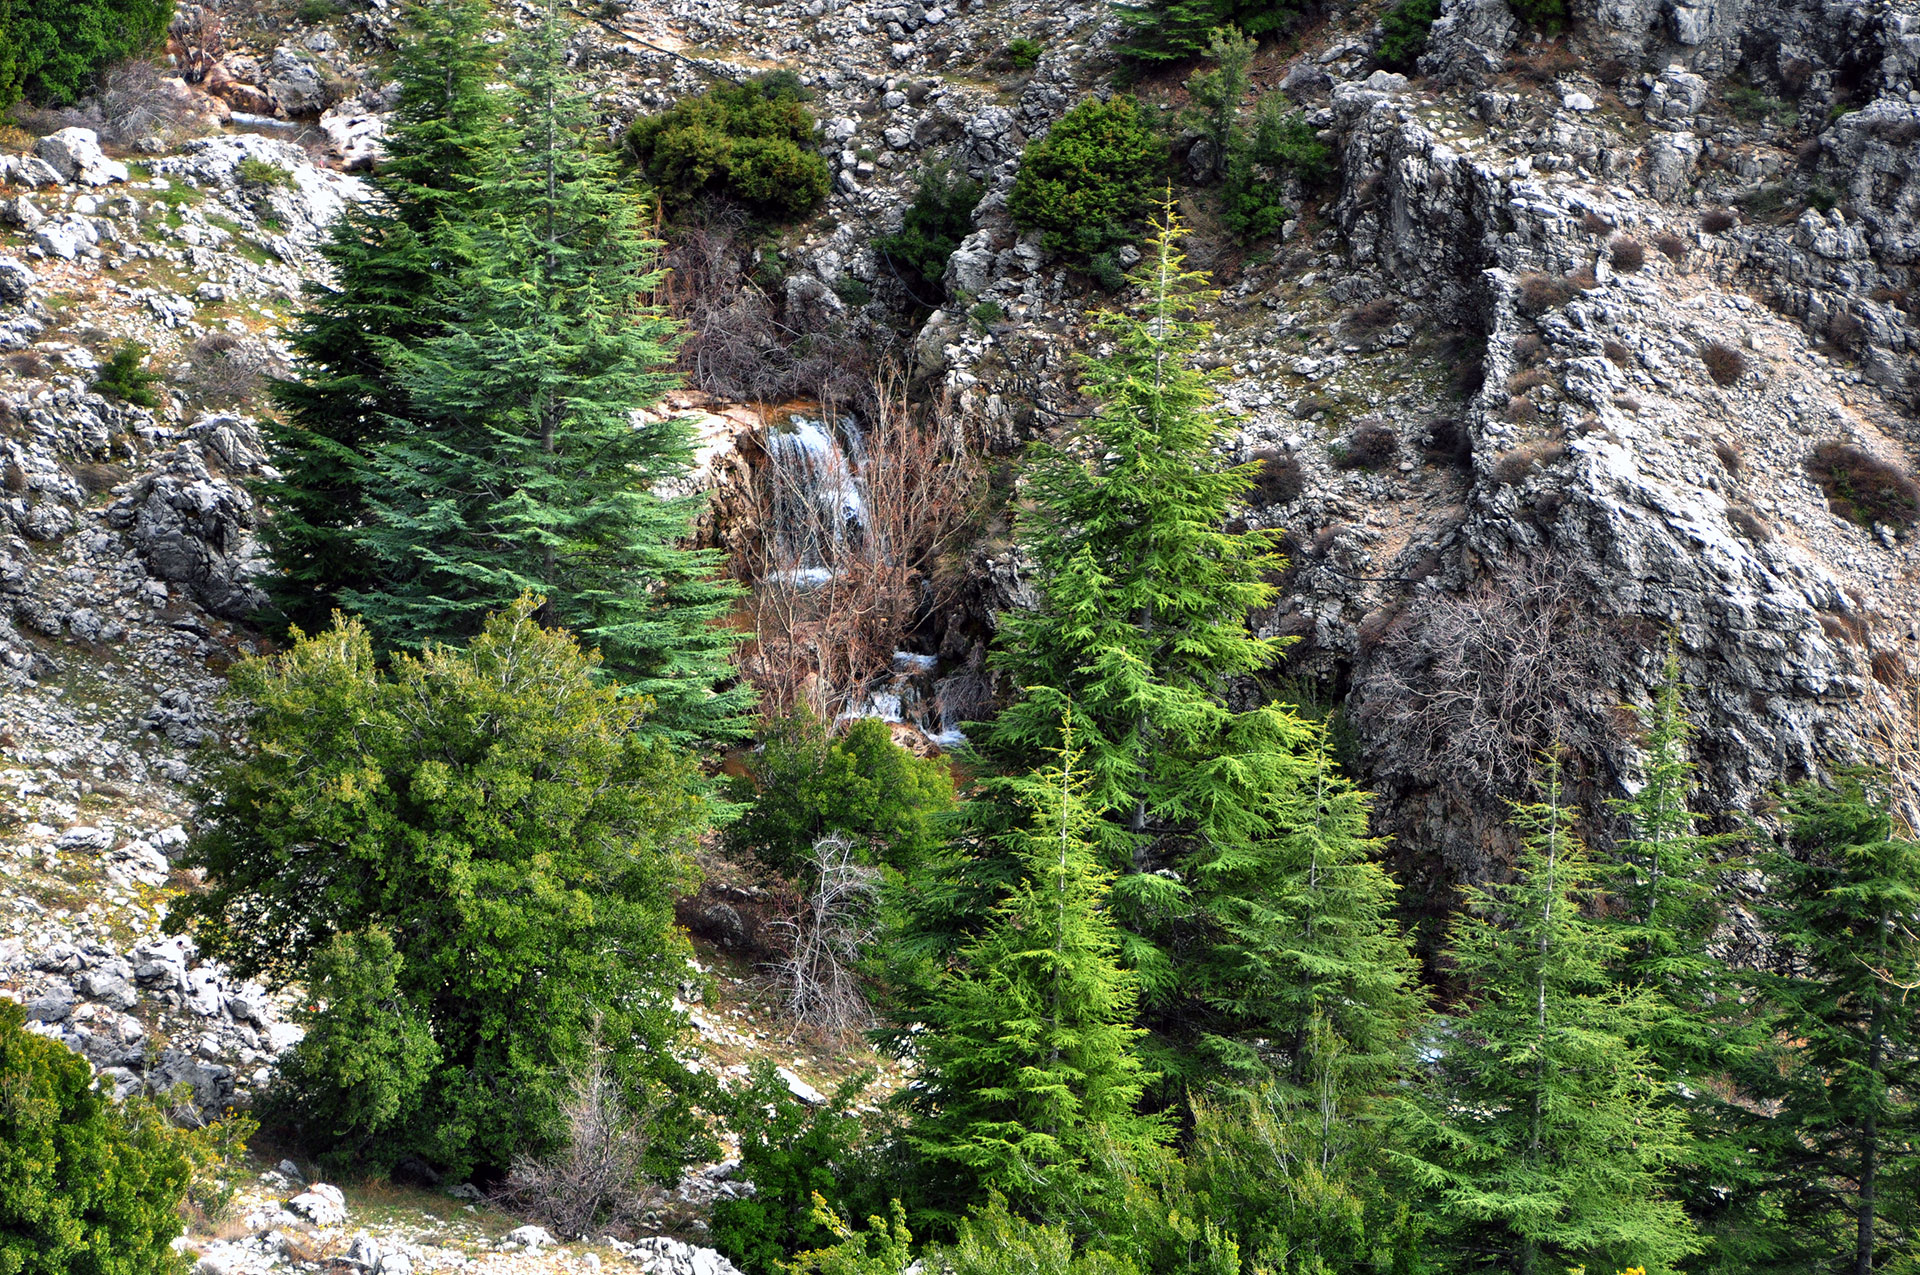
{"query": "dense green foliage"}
(1087, 184)
(475, 856)
(1173, 30)
(1404, 30)
(750, 142)
(124, 376)
(794, 1155)
(386, 255)
(87, 1187)
(1545, 15)
(501, 455)
(940, 216)
(1030, 1076)
(1843, 1142)
(1251, 161)
(1541, 1139)
(51, 50)
(804, 785)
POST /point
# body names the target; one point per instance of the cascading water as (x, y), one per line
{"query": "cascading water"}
(819, 505)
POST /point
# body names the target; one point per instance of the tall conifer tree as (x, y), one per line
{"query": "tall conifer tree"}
(385, 256)
(1843, 912)
(519, 465)
(1028, 1061)
(1541, 1136)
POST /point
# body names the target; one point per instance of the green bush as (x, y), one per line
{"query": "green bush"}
(472, 858)
(1024, 52)
(258, 172)
(1281, 141)
(940, 216)
(1544, 15)
(750, 142)
(1090, 179)
(124, 376)
(791, 1152)
(1404, 33)
(1174, 30)
(805, 786)
(51, 50)
(86, 1187)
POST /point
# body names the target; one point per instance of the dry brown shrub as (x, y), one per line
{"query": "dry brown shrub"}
(1673, 247)
(1845, 332)
(1617, 353)
(1862, 488)
(1627, 255)
(1373, 444)
(1718, 220)
(1725, 364)
(1280, 479)
(1729, 454)
(1448, 441)
(1373, 315)
(1520, 409)
(823, 940)
(1749, 524)
(1539, 293)
(1521, 382)
(1795, 75)
(1583, 279)
(1889, 667)
(1474, 688)
(98, 478)
(1595, 224)
(594, 1180)
(1528, 346)
(132, 101)
(226, 370)
(831, 596)
(1514, 466)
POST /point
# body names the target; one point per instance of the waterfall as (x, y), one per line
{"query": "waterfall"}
(819, 506)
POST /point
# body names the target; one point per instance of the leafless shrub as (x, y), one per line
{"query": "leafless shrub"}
(1521, 382)
(1528, 346)
(133, 102)
(1862, 488)
(1673, 247)
(1749, 524)
(1728, 453)
(1447, 441)
(823, 942)
(1617, 353)
(1372, 316)
(1846, 332)
(1724, 363)
(98, 478)
(1889, 667)
(1795, 74)
(1583, 279)
(1892, 728)
(1280, 478)
(1372, 445)
(1718, 220)
(1542, 292)
(594, 1180)
(196, 39)
(1627, 255)
(1520, 409)
(742, 344)
(1514, 466)
(832, 595)
(1595, 224)
(1476, 687)
(226, 371)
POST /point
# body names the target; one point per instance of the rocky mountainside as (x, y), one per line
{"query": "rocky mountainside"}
(1592, 345)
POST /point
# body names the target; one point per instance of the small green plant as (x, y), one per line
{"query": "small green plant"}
(934, 224)
(1024, 52)
(1543, 15)
(1822, 198)
(1090, 179)
(1751, 104)
(986, 314)
(1862, 488)
(258, 172)
(1404, 30)
(851, 290)
(313, 11)
(124, 376)
(752, 143)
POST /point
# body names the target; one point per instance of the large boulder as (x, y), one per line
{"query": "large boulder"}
(194, 529)
(75, 154)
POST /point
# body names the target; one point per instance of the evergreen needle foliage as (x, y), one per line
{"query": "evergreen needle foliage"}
(1541, 1138)
(87, 1186)
(385, 256)
(1844, 914)
(1028, 1067)
(473, 859)
(1172, 30)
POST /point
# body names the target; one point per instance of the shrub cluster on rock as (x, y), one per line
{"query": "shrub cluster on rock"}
(750, 142)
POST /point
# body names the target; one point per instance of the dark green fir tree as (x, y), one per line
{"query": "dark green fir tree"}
(1541, 1136)
(521, 465)
(1843, 914)
(1028, 1063)
(385, 257)
(1174, 30)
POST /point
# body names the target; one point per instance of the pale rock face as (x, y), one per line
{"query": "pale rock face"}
(75, 154)
(322, 1204)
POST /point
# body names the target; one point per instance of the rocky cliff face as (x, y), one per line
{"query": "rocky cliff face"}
(1629, 316)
